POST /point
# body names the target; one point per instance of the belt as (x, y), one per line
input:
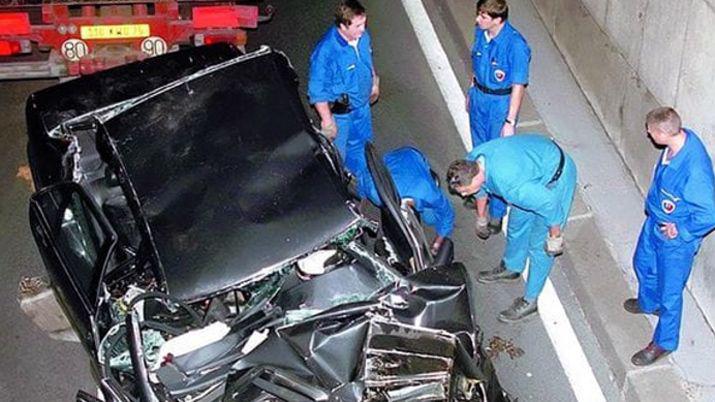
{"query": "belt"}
(560, 169)
(490, 91)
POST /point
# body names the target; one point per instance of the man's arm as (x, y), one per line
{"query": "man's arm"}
(699, 194)
(319, 94)
(517, 95)
(520, 57)
(375, 92)
(469, 88)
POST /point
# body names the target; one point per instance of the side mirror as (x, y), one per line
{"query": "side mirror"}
(445, 254)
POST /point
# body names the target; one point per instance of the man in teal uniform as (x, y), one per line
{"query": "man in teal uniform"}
(537, 179)
(500, 74)
(680, 211)
(342, 82)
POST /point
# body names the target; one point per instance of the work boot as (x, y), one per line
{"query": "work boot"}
(495, 226)
(498, 274)
(632, 306)
(518, 311)
(649, 355)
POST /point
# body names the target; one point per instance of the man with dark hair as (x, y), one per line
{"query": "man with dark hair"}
(413, 179)
(500, 74)
(538, 179)
(680, 211)
(343, 82)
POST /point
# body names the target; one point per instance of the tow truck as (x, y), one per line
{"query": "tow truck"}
(68, 38)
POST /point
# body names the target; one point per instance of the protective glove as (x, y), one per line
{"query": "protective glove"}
(554, 245)
(482, 228)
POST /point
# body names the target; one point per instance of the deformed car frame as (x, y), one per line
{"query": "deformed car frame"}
(200, 235)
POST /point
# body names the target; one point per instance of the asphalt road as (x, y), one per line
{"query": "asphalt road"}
(411, 111)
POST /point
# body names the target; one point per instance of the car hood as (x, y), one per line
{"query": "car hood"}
(225, 174)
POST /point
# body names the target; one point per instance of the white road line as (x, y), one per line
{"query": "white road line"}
(585, 215)
(529, 123)
(552, 313)
(441, 69)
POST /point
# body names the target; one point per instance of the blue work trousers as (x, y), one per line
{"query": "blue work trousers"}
(354, 131)
(663, 267)
(527, 232)
(486, 119)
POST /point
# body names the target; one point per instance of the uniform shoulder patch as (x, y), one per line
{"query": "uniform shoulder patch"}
(668, 206)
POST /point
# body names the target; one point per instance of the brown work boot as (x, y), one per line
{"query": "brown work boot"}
(649, 355)
(631, 305)
(498, 274)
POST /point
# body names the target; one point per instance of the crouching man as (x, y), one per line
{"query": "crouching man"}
(533, 175)
(412, 176)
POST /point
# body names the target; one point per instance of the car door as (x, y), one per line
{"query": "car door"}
(400, 223)
(75, 241)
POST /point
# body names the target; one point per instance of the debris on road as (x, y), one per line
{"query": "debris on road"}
(24, 174)
(497, 345)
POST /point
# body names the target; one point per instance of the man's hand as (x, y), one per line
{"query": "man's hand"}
(507, 130)
(329, 128)
(555, 245)
(669, 230)
(375, 92)
(482, 227)
(554, 241)
(436, 244)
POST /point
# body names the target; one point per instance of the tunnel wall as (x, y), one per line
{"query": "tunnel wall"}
(630, 56)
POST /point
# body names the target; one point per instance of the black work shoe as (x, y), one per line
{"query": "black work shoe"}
(518, 311)
(498, 274)
(495, 226)
(649, 355)
(632, 306)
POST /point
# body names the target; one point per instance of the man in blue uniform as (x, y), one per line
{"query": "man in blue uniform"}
(500, 73)
(680, 211)
(537, 178)
(343, 82)
(412, 176)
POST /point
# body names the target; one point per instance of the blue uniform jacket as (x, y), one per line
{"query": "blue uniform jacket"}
(411, 173)
(337, 68)
(682, 191)
(518, 169)
(503, 61)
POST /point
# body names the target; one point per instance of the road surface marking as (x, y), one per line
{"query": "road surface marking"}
(552, 313)
(529, 123)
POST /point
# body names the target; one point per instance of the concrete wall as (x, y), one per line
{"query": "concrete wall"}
(630, 56)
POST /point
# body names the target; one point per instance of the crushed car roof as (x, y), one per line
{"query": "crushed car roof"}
(227, 175)
(220, 164)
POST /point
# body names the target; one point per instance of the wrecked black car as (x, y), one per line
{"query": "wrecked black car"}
(201, 238)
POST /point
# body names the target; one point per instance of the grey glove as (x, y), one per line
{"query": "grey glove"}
(482, 228)
(555, 245)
